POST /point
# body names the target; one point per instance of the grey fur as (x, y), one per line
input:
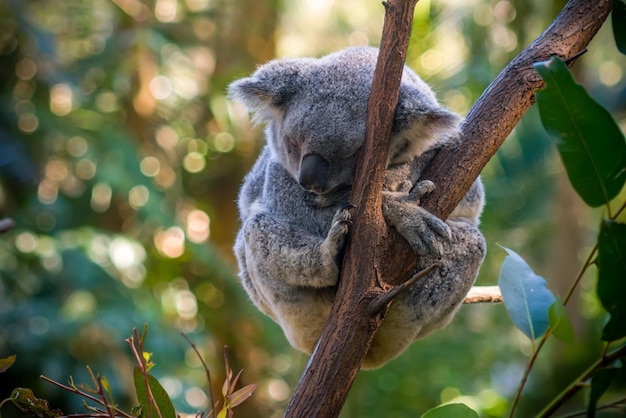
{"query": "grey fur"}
(293, 201)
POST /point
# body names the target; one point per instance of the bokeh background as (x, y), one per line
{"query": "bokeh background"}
(121, 158)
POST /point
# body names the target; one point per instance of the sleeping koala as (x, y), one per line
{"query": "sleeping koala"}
(294, 202)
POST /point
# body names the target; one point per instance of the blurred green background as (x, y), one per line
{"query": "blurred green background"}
(121, 158)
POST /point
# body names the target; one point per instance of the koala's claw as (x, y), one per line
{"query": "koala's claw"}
(421, 189)
(341, 223)
(348, 206)
(405, 186)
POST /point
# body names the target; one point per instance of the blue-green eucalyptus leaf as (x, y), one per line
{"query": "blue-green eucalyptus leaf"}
(525, 295)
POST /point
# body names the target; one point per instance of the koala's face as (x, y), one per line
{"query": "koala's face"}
(315, 111)
(318, 140)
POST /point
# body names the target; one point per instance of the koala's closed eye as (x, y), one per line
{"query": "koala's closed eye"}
(293, 142)
(354, 153)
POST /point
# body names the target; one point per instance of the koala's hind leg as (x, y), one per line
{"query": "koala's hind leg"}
(435, 298)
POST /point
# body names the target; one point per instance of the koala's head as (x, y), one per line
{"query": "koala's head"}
(315, 110)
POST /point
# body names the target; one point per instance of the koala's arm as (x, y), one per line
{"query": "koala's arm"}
(285, 252)
(279, 235)
(426, 233)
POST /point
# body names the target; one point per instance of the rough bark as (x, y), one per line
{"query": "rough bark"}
(323, 388)
(377, 258)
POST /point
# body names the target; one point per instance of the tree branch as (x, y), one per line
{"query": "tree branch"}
(377, 254)
(337, 358)
(579, 383)
(484, 294)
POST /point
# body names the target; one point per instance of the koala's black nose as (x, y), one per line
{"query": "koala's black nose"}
(314, 173)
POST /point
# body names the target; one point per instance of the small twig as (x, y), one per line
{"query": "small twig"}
(484, 294)
(620, 210)
(119, 412)
(206, 369)
(570, 60)
(529, 367)
(97, 380)
(573, 389)
(381, 302)
(620, 403)
(71, 389)
(138, 353)
(586, 265)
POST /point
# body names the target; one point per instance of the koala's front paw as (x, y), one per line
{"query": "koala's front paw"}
(341, 224)
(423, 231)
(421, 189)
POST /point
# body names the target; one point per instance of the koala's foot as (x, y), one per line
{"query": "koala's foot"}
(426, 233)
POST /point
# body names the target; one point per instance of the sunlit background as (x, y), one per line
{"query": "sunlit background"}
(121, 158)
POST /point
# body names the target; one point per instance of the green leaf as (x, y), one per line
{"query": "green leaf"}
(105, 384)
(525, 295)
(452, 410)
(6, 362)
(31, 405)
(162, 400)
(619, 28)
(600, 382)
(591, 144)
(560, 323)
(611, 277)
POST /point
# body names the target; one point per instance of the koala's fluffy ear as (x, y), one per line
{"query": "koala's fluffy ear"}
(420, 123)
(271, 87)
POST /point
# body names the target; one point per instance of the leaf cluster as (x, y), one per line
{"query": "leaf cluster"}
(154, 401)
(592, 148)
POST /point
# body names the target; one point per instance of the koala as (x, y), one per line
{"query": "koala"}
(294, 203)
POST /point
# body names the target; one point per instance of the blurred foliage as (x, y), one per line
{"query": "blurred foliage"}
(120, 161)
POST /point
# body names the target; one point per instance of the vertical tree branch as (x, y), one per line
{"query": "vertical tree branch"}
(376, 256)
(325, 384)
